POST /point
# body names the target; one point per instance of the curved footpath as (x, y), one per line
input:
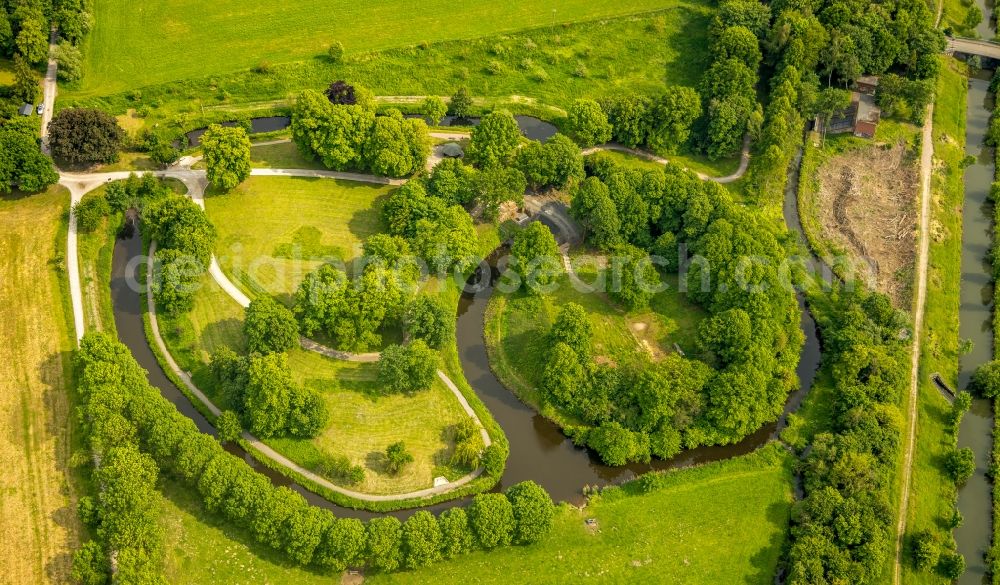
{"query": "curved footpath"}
(264, 450)
(196, 182)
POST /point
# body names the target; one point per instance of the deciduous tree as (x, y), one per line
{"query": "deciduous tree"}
(85, 135)
(588, 124)
(227, 156)
(269, 327)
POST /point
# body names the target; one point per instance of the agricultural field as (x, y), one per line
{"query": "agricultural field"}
(275, 230)
(39, 485)
(134, 46)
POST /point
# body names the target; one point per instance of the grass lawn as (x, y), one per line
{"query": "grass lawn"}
(692, 162)
(133, 46)
(517, 325)
(953, 15)
(683, 532)
(281, 156)
(721, 523)
(275, 230)
(6, 72)
(932, 495)
(95, 250)
(540, 72)
(362, 423)
(38, 434)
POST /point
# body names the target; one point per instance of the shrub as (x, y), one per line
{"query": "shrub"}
(925, 550)
(986, 380)
(951, 565)
(960, 464)
(91, 211)
(397, 457)
(460, 105)
(335, 52)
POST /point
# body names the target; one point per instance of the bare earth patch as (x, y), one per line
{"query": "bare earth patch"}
(865, 204)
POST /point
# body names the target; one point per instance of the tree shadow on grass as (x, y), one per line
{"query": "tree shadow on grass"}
(377, 462)
(53, 372)
(186, 499)
(368, 221)
(225, 332)
(767, 561)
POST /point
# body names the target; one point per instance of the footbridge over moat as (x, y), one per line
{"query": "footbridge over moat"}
(987, 49)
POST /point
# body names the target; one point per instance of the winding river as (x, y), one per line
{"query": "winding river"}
(538, 449)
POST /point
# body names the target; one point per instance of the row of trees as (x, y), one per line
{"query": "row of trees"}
(341, 129)
(842, 530)
(122, 410)
(749, 345)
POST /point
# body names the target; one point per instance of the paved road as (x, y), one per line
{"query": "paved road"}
(49, 89)
(974, 47)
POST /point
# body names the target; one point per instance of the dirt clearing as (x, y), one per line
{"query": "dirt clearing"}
(37, 505)
(866, 208)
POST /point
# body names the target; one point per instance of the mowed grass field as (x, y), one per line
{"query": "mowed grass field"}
(273, 231)
(682, 532)
(37, 500)
(138, 44)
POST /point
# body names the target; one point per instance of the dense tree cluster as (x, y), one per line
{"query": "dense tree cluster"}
(25, 25)
(831, 43)
(132, 430)
(22, 165)
(261, 391)
(842, 530)
(437, 228)
(185, 239)
(341, 129)
(352, 311)
(749, 345)
(135, 192)
(663, 123)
